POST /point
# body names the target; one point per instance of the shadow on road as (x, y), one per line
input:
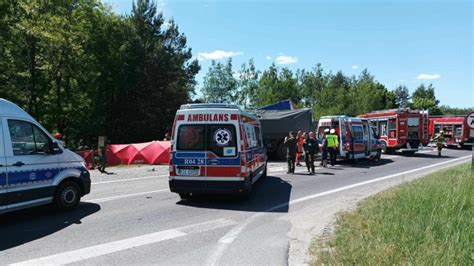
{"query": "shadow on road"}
(427, 155)
(270, 194)
(24, 226)
(366, 163)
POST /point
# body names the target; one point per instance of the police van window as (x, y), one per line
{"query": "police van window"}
(41, 141)
(27, 138)
(191, 137)
(222, 140)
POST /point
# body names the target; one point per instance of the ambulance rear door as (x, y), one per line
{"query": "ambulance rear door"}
(191, 148)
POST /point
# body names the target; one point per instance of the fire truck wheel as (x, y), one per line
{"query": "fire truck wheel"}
(185, 196)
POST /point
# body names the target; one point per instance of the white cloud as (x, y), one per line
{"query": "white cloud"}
(269, 57)
(217, 54)
(355, 66)
(285, 60)
(425, 76)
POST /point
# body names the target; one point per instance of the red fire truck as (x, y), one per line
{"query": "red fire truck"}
(456, 131)
(400, 129)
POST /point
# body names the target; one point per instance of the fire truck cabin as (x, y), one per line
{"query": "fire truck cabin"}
(400, 129)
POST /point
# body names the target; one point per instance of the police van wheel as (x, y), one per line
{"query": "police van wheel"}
(67, 195)
(185, 196)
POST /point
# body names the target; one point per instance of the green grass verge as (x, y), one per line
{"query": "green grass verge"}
(429, 221)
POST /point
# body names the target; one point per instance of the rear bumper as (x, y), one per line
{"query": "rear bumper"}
(209, 187)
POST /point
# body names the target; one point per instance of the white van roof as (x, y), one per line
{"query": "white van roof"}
(209, 106)
(10, 109)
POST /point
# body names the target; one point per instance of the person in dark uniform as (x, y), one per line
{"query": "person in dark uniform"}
(291, 149)
(324, 149)
(103, 159)
(311, 148)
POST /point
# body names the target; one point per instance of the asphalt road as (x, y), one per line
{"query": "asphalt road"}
(131, 217)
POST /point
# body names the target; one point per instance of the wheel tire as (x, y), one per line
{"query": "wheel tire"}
(384, 148)
(185, 196)
(67, 196)
(378, 156)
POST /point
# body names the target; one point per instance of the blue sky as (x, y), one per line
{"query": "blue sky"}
(399, 42)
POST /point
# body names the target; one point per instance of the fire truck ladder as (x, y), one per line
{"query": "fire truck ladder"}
(425, 124)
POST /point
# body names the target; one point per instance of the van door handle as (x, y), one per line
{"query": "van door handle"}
(19, 164)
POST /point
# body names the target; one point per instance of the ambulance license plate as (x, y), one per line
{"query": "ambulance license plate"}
(188, 170)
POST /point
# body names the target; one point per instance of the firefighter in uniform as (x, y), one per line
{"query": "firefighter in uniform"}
(333, 143)
(439, 138)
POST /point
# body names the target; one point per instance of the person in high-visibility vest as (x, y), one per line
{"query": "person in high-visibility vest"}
(439, 138)
(333, 144)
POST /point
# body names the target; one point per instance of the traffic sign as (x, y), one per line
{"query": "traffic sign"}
(470, 120)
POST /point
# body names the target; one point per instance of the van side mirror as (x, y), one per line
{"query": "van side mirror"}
(54, 147)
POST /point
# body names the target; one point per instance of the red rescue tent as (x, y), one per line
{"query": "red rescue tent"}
(155, 152)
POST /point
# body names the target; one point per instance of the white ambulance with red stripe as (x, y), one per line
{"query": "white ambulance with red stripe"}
(216, 148)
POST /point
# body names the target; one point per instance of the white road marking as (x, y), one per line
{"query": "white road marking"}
(128, 243)
(129, 179)
(125, 196)
(225, 241)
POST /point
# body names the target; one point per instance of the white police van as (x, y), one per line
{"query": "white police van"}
(34, 168)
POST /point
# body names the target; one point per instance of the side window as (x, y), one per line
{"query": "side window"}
(41, 141)
(258, 136)
(27, 139)
(251, 138)
(357, 133)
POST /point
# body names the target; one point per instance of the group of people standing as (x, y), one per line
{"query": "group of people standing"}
(305, 144)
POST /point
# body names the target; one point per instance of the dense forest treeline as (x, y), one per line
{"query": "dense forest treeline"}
(85, 71)
(82, 70)
(325, 92)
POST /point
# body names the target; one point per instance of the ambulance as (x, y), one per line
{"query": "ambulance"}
(215, 148)
(357, 138)
(35, 169)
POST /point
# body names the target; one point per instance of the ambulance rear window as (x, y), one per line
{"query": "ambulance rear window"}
(191, 137)
(221, 139)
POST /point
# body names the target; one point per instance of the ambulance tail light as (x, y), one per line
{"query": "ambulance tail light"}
(171, 165)
(347, 145)
(243, 165)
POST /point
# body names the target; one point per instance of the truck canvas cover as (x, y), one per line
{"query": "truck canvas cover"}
(277, 123)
